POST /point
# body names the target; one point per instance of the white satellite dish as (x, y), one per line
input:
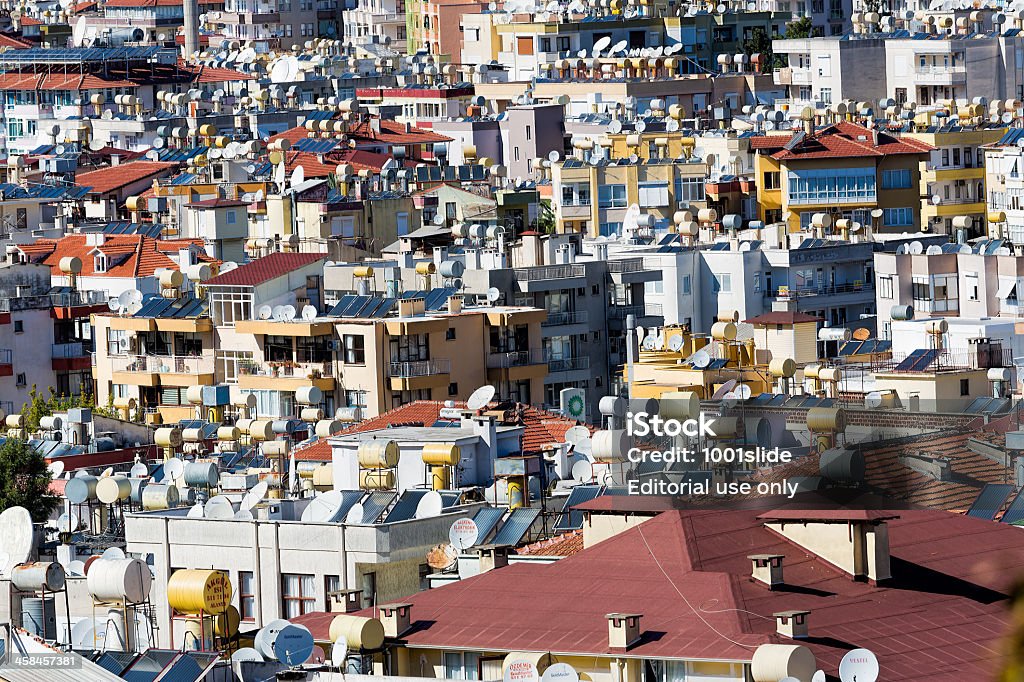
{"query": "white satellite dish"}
(264, 640)
(298, 176)
(323, 507)
(67, 522)
(196, 512)
(675, 343)
(243, 515)
(601, 44)
(247, 654)
(742, 391)
(76, 567)
(264, 312)
(339, 652)
(430, 505)
(56, 469)
(493, 294)
(16, 537)
(554, 156)
(114, 305)
(640, 126)
(560, 672)
(278, 313)
(701, 359)
(819, 676)
(582, 471)
(219, 507)
(107, 473)
(254, 496)
(479, 399)
(173, 469)
(859, 665)
(355, 514)
(288, 313)
(577, 434)
(113, 553)
(464, 533)
(615, 127)
(139, 470)
(916, 248)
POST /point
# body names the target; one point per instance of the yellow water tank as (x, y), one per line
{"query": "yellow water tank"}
(199, 591)
(441, 454)
(826, 419)
(375, 479)
(378, 454)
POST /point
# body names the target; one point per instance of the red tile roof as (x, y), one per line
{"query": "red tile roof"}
(265, 269)
(29, 21)
(687, 573)
(359, 159)
(84, 6)
(11, 43)
(849, 140)
(213, 74)
(563, 545)
(113, 178)
(127, 255)
(60, 81)
(391, 132)
(542, 427)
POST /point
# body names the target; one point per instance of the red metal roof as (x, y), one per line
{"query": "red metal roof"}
(687, 573)
(60, 81)
(114, 178)
(265, 269)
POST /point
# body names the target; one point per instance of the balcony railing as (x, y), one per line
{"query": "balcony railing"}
(523, 358)
(166, 364)
(569, 364)
(285, 368)
(24, 303)
(799, 292)
(626, 265)
(568, 317)
(419, 368)
(69, 299)
(75, 349)
(619, 312)
(546, 272)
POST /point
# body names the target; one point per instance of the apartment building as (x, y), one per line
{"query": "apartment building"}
(828, 17)
(372, 357)
(427, 22)
(868, 176)
(824, 70)
(278, 25)
(1003, 167)
(953, 176)
(376, 24)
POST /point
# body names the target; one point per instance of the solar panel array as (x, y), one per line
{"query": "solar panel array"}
(314, 145)
(783, 400)
(405, 508)
(186, 307)
(918, 361)
(375, 504)
(1015, 512)
(865, 347)
(990, 501)
(363, 306)
(516, 527)
(486, 520)
(989, 405)
(474, 173)
(78, 56)
(125, 227)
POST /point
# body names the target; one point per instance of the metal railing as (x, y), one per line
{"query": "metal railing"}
(24, 303)
(545, 272)
(165, 364)
(535, 356)
(795, 292)
(419, 368)
(569, 364)
(70, 299)
(626, 265)
(568, 317)
(619, 312)
(942, 360)
(285, 368)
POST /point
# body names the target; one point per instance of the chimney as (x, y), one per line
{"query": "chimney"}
(767, 568)
(792, 624)
(492, 557)
(395, 618)
(857, 543)
(345, 601)
(411, 307)
(623, 630)
(455, 305)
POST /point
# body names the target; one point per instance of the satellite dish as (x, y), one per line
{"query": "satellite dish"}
(293, 645)
(67, 522)
(264, 312)
(560, 672)
(819, 676)
(254, 496)
(264, 640)
(916, 248)
(114, 305)
(76, 567)
(288, 313)
(16, 537)
(554, 156)
(430, 505)
(742, 392)
(308, 313)
(339, 652)
(298, 176)
(139, 470)
(582, 471)
(493, 294)
(615, 127)
(479, 399)
(701, 359)
(56, 469)
(247, 654)
(173, 469)
(277, 313)
(323, 507)
(219, 507)
(859, 665)
(601, 45)
(442, 557)
(577, 434)
(724, 389)
(355, 514)
(640, 126)
(113, 553)
(196, 512)
(107, 473)
(675, 343)
(464, 533)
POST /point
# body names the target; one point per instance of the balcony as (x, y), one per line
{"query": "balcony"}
(419, 374)
(165, 370)
(67, 357)
(6, 362)
(517, 366)
(547, 277)
(791, 76)
(940, 75)
(285, 375)
(866, 288)
(88, 302)
(631, 270)
(565, 318)
(641, 311)
(568, 364)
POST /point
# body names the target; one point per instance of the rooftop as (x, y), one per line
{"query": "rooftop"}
(265, 269)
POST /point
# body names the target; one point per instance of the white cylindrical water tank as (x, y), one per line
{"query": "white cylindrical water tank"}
(117, 580)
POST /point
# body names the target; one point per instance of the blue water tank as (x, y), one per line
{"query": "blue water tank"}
(214, 396)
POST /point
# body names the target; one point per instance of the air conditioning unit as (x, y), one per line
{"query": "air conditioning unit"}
(334, 345)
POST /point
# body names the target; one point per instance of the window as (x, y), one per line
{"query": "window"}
(826, 96)
(896, 179)
(723, 283)
(919, 289)
(898, 217)
(355, 352)
(450, 334)
(232, 217)
(453, 389)
(689, 189)
(246, 595)
(832, 185)
(576, 194)
(332, 583)
(686, 284)
(965, 387)
(773, 180)
(19, 326)
(99, 263)
(653, 194)
(971, 282)
(460, 665)
(22, 380)
(611, 196)
(298, 594)
(355, 398)
(885, 287)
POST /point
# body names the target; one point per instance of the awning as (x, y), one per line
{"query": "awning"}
(1007, 289)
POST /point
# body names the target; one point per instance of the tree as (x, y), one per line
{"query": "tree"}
(25, 480)
(759, 42)
(39, 406)
(801, 28)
